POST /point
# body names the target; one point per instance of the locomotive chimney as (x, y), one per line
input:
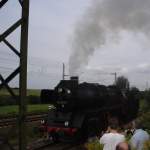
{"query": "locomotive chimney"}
(75, 79)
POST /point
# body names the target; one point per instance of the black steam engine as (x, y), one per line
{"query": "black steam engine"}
(83, 110)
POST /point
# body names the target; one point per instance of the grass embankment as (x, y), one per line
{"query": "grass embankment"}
(13, 110)
(5, 92)
(9, 106)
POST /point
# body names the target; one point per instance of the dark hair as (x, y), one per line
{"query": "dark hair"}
(119, 146)
(113, 123)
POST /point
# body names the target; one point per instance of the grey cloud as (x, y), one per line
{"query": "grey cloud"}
(143, 68)
(107, 18)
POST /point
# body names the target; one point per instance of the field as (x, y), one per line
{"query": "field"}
(13, 110)
(9, 106)
(33, 97)
(34, 92)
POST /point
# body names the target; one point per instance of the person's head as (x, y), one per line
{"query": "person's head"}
(137, 124)
(128, 125)
(123, 146)
(114, 124)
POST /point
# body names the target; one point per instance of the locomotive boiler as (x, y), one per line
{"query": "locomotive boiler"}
(82, 110)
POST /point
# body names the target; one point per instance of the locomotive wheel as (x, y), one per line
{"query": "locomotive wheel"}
(79, 136)
(53, 136)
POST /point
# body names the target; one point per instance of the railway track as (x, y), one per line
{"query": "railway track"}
(46, 145)
(40, 144)
(11, 121)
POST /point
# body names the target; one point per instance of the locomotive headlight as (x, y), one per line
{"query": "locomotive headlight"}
(68, 91)
(42, 121)
(66, 123)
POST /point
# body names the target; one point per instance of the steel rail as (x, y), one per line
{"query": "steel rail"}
(6, 122)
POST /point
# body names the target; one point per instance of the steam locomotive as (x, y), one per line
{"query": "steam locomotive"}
(82, 110)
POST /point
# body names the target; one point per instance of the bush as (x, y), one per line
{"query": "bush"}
(147, 96)
(145, 120)
(7, 100)
(93, 145)
(146, 145)
(32, 99)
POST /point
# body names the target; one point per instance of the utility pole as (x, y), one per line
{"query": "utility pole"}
(115, 75)
(63, 75)
(146, 85)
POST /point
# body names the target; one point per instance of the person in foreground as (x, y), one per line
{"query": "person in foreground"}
(139, 137)
(111, 139)
(123, 146)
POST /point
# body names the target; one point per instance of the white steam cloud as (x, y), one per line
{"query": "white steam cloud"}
(104, 18)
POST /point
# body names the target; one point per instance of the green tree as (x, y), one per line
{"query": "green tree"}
(134, 89)
(147, 96)
(122, 83)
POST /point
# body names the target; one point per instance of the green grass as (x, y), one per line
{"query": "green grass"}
(34, 92)
(13, 110)
(94, 145)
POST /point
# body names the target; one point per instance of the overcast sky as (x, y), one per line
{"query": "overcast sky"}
(52, 29)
